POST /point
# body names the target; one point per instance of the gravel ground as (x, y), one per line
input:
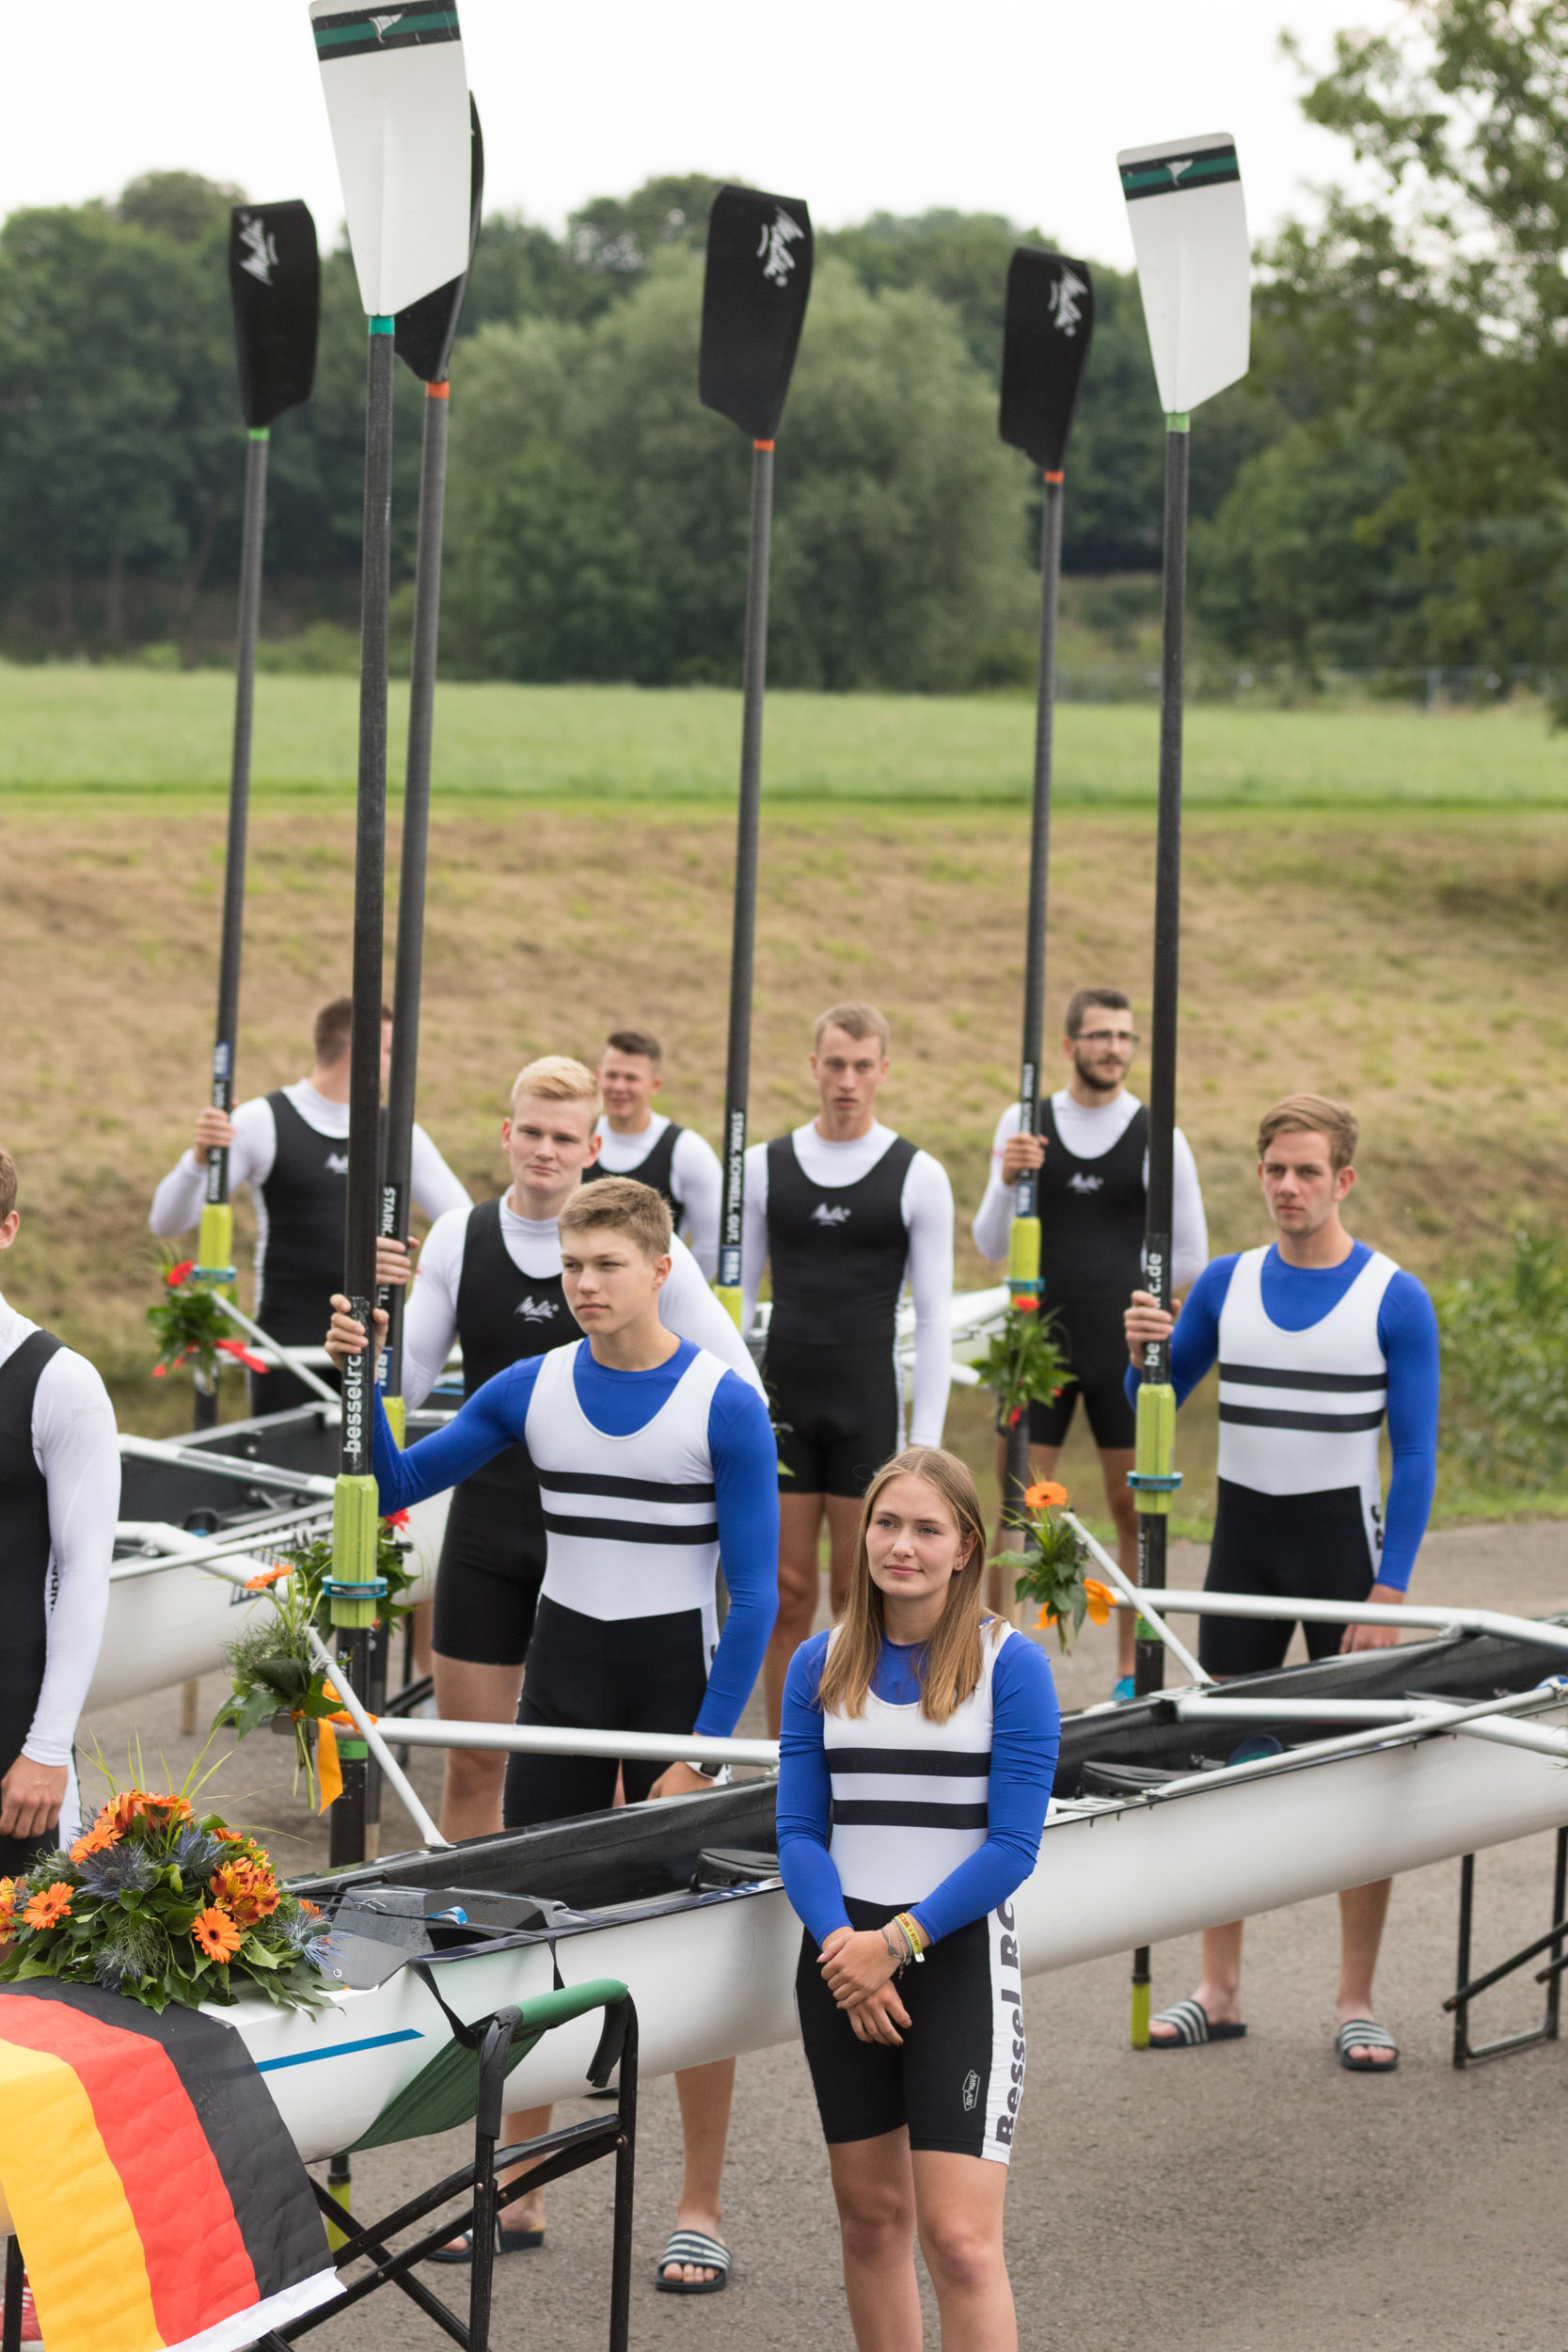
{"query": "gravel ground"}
(1225, 2200)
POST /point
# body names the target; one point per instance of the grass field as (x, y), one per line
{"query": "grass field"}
(152, 731)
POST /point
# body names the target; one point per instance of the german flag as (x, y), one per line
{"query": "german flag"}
(157, 2196)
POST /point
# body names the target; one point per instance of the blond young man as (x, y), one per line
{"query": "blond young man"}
(290, 1148)
(636, 1140)
(490, 1277)
(1318, 1340)
(630, 1429)
(843, 1209)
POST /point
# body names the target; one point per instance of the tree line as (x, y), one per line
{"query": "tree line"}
(1387, 486)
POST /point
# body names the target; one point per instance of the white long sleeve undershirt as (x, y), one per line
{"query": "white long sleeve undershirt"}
(926, 1205)
(696, 1179)
(76, 1446)
(177, 1202)
(686, 1304)
(1088, 1134)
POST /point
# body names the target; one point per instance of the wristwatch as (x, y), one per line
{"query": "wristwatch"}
(709, 1772)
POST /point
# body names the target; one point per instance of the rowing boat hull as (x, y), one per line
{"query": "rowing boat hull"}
(171, 1625)
(713, 1974)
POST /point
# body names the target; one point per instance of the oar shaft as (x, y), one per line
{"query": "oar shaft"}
(1023, 1268)
(738, 1068)
(253, 533)
(403, 1083)
(370, 893)
(1155, 1475)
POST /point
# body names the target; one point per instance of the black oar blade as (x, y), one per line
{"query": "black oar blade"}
(1045, 343)
(426, 331)
(275, 281)
(759, 252)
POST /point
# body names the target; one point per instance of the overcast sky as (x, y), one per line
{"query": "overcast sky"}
(1014, 107)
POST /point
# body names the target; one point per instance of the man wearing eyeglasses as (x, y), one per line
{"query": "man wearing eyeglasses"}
(1091, 1199)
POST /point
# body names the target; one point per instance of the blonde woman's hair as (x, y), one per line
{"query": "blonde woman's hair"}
(557, 1078)
(954, 1655)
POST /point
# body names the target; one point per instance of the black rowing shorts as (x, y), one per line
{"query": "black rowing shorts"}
(1095, 1344)
(836, 1410)
(487, 1584)
(1288, 1546)
(957, 2078)
(589, 1673)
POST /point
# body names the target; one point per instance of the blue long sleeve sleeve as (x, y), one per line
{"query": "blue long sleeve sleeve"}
(1407, 1334)
(746, 1477)
(803, 1809)
(1026, 1732)
(1025, 1735)
(492, 1420)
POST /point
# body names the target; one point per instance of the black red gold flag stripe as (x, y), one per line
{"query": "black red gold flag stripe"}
(158, 2200)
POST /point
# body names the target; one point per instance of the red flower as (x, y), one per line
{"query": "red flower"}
(1026, 1306)
(238, 1347)
(160, 1371)
(395, 1518)
(1015, 1417)
(177, 1274)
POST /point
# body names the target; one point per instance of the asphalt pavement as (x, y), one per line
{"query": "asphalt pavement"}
(1242, 2198)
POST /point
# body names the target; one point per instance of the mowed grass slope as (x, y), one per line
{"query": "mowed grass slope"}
(123, 727)
(1418, 969)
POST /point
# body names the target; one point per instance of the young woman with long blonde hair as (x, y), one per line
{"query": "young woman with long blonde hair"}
(918, 1748)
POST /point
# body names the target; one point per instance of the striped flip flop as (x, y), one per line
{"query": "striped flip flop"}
(703, 2253)
(1363, 2034)
(1192, 2024)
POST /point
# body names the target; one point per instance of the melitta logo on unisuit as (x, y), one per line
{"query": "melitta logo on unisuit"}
(354, 32)
(1182, 170)
(337, 1163)
(535, 1310)
(822, 1215)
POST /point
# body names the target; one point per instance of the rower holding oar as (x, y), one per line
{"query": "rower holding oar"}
(59, 1500)
(491, 1278)
(1318, 1338)
(637, 1141)
(652, 1456)
(291, 1147)
(1091, 1197)
(919, 1746)
(842, 1211)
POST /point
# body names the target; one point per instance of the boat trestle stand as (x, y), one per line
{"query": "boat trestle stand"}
(1469, 2053)
(490, 2048)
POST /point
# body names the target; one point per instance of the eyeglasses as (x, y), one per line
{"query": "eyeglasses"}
(1103, 1037)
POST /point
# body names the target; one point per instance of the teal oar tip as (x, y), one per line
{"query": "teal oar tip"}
(382, 325)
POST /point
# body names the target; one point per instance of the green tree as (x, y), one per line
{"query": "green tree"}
(600, 514)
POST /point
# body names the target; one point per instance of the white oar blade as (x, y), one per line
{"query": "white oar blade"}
(1188, 218)
(397, 98)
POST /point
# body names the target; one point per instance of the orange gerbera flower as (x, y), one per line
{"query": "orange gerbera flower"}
(96, 1840)
(1101, 1598)
(1046, 1618)
(216, 1933)
(249, 1894)
(49, 1906)
(264, 1577)
(1045, 1495)
(7, 1906)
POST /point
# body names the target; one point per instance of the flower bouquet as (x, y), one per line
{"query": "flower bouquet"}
(272, 1671)
(1052, 1572)
(157, 1904)
(1025, 1363)
(192, 1329)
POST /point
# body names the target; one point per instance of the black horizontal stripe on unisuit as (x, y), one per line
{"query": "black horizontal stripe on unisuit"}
(887, 1813)
(954, 1761)
(356, 32)
(1265, 1417)
(629, 1489)
(633, 1531)
(1326, 1383)
(1173, 174)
